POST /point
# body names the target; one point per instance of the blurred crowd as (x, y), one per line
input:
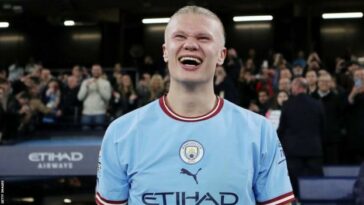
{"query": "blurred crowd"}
(33, 97)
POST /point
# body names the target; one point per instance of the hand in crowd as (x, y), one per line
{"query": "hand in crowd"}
(91, 81)
(132, 98)
(24, 109)
(354, 92)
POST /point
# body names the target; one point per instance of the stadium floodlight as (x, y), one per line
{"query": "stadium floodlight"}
(4, 24)
(347, 15)
(69, 23)
(155, 20)
(252, 18)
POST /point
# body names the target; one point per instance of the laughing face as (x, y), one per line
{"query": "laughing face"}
(193, 47)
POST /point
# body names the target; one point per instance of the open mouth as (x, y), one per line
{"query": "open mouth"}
(190, 61)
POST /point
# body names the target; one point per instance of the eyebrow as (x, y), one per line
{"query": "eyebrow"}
(197, 34)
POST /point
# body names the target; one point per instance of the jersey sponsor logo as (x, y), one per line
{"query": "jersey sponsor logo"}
(185, 171)
(183, 198)
(191, 152)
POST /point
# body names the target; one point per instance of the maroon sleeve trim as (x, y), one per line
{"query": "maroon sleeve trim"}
(280, 200)
(102, 201)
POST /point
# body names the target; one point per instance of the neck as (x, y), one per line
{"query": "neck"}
(191, 101)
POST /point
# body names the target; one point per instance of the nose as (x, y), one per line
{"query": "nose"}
(190, 44)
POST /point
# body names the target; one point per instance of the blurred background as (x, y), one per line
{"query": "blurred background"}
(49, 49)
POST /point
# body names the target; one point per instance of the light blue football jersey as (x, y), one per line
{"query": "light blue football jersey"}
(153, 156)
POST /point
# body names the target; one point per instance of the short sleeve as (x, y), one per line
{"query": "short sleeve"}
(112, 182)
(272, 185)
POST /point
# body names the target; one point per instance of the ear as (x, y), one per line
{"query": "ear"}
(222, 56)
(165, 55)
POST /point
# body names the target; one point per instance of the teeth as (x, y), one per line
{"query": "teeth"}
(198, 61)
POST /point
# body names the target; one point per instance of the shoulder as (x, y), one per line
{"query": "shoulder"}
(255, 126)
(127, 125)
(242, 115)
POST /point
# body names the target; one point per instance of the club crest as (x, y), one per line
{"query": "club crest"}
(191, 152)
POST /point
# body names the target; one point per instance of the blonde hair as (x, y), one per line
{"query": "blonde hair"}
(199, 11)
(156, 85)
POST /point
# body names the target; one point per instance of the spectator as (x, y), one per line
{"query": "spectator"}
(10, 120)
(33, 86)
(297, 70)
(27, 124)
(15, 72)
(300, 60)
(70, 105)
(355, 116)
(45, 77)
(246, 88)
(285, 73)
(333, 112)
(157, 88)
(77, 73)
(252, 55)
(284, 85)
(85, 73)
(279, 61)
(52, 101)
(265, 80)
(300, 130)
(311, 77)
(31, 66)
(38, 108)
(263, 104)
(313, 62)
(249, 65)
(224, 87)
(143, 90)
(115, 75)
(7, 99)
(274, 112)
(95, 94)
(282, 72)
(232, 65)
(124, 98)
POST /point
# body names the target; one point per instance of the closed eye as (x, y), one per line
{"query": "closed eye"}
(179, 37)
(204, 38)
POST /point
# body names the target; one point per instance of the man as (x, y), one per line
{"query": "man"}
(311, 77)
(355, 116)
(285, 85)
(8, 111)
(224, 86)
(300, 130)
(190, 146)
(262, 105)
(70, 104)
(333, 114)
(95, 94)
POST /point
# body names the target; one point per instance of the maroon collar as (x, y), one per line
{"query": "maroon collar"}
(164, 105)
